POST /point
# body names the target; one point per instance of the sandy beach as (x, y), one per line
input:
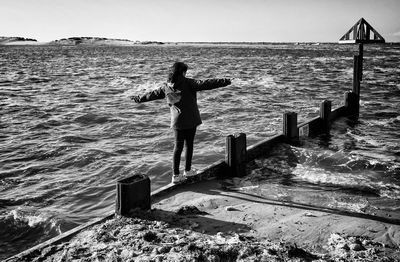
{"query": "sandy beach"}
(216, 220)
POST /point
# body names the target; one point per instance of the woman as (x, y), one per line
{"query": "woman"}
(180, 93)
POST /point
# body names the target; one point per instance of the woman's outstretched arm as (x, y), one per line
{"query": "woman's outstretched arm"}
(149, 96)
(209, 84)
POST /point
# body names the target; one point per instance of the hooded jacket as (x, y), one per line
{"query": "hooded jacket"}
(181, 96)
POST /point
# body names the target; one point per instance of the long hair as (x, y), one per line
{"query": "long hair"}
(176, 71)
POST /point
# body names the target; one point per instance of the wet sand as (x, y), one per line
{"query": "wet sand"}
(218, 221)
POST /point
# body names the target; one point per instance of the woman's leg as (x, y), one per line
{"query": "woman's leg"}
(178, 148)
(189, 139)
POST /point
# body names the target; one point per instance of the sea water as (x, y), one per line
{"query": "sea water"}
(68, 129)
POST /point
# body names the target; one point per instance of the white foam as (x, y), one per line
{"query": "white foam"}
(391, 191)
(356, 207)
(322, 176)
(35, 220)
(31, 220)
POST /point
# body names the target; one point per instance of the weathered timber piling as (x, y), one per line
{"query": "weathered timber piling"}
(357, 78)
(352, 104)
(290, 130)
(357, 74)
(325, 114)
(361, 60)
(132, 192)
(236, 154)
(321, 124)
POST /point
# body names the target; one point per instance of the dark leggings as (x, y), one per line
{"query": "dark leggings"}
(183, 136)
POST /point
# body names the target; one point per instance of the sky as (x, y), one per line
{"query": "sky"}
(198, 20)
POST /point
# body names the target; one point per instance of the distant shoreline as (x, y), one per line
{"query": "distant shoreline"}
(74, 41)
(101, 41)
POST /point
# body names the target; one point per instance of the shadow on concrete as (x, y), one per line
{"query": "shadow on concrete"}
(193, 220)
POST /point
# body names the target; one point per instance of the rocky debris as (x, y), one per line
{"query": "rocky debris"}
(159, 235)
(359, 248)
(294, 252)
(309, 214)
(150, 236)
(231, 208)
(189, 210)
(136, 239)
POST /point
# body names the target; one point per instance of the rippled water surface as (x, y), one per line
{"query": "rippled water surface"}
(68, 130)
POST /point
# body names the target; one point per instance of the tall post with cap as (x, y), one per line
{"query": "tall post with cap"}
(361, 33)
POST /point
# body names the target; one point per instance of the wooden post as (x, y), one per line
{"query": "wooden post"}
(132, 192)
(356, 75)
(361, 60)
(361, 51)
(325, 113)
(352, 103)
(290, 129)
(236, 154)
(358, 69)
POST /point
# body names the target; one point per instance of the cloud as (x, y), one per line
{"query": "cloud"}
(396, 34)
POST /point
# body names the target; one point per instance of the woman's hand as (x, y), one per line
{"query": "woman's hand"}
(136, 99)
